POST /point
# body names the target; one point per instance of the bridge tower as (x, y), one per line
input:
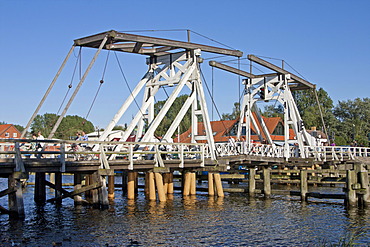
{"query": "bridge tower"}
(266, 88)
(171, 63)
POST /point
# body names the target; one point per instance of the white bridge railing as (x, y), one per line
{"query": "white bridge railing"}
(319, 153)
(159, 151)
(21, 149)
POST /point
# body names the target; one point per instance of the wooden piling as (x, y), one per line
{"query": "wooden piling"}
(351, 198)
(365, 195)
(77, 178)
(111, 187)
(136, 183)
(160, 189)
(165, 182)
(131, 185)
(303, 185)
(252, 182)
(40, 192)
(266, 182)
(193, 185)
(58, 187)
(15, 200)
(186, 189)
(146, 185)
(124, 182)
(94, 192)
(218, 183)
(103, 193)
(211, 188)
(151, 182)
(170, 183)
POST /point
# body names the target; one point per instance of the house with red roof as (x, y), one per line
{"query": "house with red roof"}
(9, 131)
(223, 130)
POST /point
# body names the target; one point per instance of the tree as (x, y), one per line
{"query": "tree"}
(309, 108)
(67, 128)
(171, 114)
(274, 111)
(354, 120)
(235, 113)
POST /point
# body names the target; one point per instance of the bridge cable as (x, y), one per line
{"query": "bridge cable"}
(321, 115)
(213, 102)
(70, 84)
(128, 86)
(101, 83)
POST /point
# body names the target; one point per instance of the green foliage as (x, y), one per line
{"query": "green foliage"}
(171, 114)
(120, 127)
(354, 120)
(274, 111)
(2, 122)
(234, 115)
(19, 127)
(309, 108)
(67, 128)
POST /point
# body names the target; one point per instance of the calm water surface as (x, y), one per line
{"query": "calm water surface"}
(235, 220)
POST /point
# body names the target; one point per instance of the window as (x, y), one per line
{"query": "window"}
(7, 134)
(279, 130)
(14, 135)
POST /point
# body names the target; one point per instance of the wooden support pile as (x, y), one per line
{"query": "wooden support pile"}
(358, 190)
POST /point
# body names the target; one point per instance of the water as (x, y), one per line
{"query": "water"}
(235, 220)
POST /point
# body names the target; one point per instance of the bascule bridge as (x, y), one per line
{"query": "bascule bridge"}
(174, 65)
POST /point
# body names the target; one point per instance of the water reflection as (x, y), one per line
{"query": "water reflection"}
(186, 221)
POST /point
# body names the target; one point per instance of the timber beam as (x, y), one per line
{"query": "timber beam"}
(147, 45)
(293, 85)
(273, 67)
(77, 191)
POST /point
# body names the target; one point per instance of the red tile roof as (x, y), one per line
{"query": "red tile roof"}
(221, 130)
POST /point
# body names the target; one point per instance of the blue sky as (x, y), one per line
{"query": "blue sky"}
(327, 41)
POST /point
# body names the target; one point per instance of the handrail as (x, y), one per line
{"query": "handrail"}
(157, 151)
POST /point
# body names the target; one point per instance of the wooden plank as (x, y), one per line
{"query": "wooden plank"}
(78, 191)
(280, 70)
(7, 191)
(93, 41)
(4, 210)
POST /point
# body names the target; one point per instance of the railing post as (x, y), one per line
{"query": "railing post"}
(181, 156)
(131, 157)
(62, 157)
(202, 158)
